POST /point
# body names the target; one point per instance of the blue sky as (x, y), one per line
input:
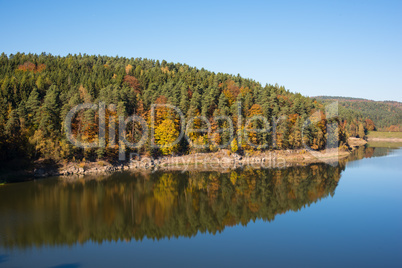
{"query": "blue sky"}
(342, 48)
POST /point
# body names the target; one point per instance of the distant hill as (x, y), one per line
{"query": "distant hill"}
(386, 115)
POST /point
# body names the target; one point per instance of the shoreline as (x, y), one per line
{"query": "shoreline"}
(385, 139)
(222, 161)
(356, 142)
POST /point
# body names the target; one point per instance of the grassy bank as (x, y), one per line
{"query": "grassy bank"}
(384, 135)
(385, 144)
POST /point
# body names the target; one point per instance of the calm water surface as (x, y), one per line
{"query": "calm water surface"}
(348, 215)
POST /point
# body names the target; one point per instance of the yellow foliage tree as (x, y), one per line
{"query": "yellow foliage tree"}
(129, 67)
(253, 136)
(165, 134)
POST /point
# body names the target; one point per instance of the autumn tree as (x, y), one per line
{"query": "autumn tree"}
(361, 131)
(165, 134)
(370, 124)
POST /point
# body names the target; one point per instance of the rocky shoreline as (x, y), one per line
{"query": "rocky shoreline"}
(356, 142)
(220, 161)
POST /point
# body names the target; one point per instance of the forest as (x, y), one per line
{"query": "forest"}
(385, 115)
(38, 91)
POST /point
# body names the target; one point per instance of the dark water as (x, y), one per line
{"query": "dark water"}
(348, 215)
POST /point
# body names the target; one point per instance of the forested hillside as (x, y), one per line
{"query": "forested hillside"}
(37, 92)
(386, 115)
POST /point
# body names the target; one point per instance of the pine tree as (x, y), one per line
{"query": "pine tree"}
(33, 105)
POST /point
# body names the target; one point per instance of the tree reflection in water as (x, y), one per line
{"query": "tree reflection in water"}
(160, 205)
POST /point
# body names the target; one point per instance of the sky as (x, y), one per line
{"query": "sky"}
(336, 48)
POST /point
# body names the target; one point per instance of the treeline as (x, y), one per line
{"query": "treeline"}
(385, 115)
(38, 91)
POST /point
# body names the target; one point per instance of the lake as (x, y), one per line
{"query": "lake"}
(345, 215)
